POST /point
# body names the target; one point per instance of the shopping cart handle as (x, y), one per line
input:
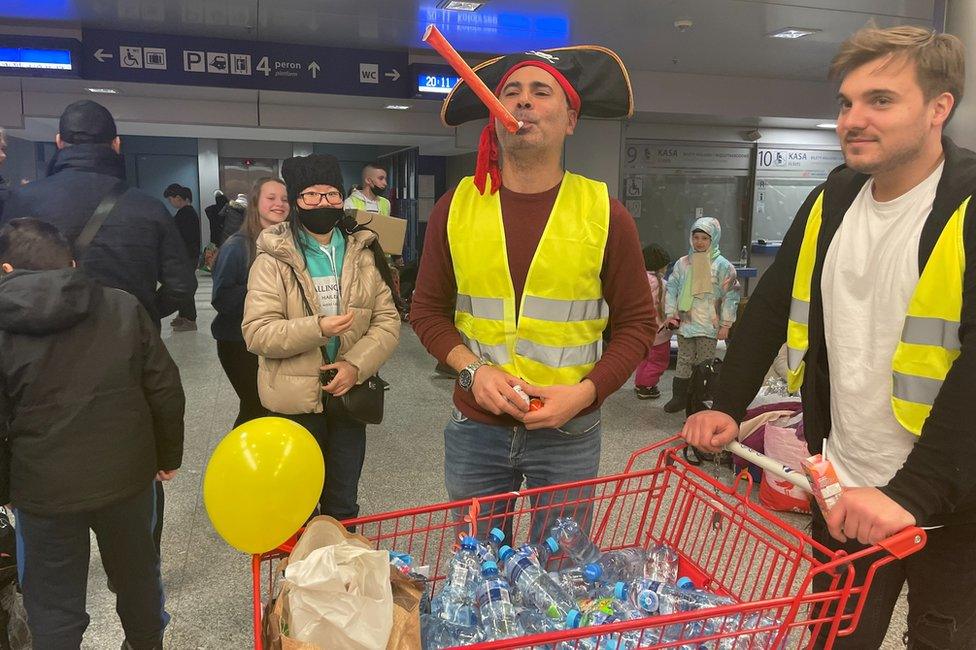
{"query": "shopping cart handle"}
(904, 543)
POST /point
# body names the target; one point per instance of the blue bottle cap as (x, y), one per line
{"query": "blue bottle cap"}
(573, 618)
(620, 591)
(685, 583)
(505, 552)
(592, 572)
(488, 568)
(406, 559)
(551, 544)
(497, 535)
(469, 543)
(648, 601)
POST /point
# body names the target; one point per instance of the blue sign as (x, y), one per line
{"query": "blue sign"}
(431, 79)
(39, 56)
(200, 61)
(496, 31)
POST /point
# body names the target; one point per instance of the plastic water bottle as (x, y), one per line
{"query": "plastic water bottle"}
(488, 550)
(744, 255)
(436, 633)
(617, 566)
(661, 564)
(495, 606)
(575, 583)
(575, 542)
(534, 585)
(540, 553)
(658, 598)
(761, 640)
(535, 622)
(458, 590)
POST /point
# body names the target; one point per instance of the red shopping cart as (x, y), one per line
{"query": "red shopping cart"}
(726, 544)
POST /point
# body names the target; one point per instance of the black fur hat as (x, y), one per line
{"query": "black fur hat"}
(302, 172)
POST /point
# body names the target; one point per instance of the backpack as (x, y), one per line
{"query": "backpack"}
(14, 634)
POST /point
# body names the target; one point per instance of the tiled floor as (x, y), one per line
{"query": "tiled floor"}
(207, 582)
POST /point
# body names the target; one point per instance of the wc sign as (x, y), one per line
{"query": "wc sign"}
(369, 73)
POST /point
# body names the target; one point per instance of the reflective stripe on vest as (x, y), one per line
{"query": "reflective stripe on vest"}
(930, 336)
(558, 335)
(929, 342)
(798, 327)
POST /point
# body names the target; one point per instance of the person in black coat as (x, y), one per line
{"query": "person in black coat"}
(138, 248)
(216, 221)
(188, 224)
(91, 415)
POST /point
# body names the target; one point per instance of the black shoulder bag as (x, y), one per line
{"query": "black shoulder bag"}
(105, 207)
(364, 401)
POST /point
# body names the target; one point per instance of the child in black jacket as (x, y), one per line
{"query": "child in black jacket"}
(91, 414)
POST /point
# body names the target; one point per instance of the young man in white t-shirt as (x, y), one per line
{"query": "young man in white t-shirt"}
(902, 436)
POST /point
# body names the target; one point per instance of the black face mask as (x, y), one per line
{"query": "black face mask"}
(378, 191)
(320, 220)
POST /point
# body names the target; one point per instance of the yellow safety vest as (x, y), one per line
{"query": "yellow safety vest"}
(930, 336)
(558, 336)
(382, 201)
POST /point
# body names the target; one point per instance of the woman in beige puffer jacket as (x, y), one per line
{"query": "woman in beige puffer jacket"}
(286, 327)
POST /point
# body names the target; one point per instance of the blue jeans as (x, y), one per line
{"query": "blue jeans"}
(342, 440)
(53, 555)
(482, 460)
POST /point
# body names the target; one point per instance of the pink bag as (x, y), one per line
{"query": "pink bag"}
(783, 440)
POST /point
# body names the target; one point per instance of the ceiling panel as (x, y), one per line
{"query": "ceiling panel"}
(728, 36)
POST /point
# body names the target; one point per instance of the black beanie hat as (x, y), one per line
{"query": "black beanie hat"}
(302, 172)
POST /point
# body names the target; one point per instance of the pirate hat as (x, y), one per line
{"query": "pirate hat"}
(594, 79)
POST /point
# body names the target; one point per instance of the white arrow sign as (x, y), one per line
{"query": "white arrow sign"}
(314, 67)
(393, 75)
(101, 55)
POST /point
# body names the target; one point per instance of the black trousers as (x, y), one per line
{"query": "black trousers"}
(188, 310)
(241, 368)
(342, 440)
(53, 554)
(941, 591)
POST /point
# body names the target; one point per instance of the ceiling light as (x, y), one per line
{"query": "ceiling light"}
(103, 91)
(793, 33)
(455, 5)
(397, 107)
(827, 125)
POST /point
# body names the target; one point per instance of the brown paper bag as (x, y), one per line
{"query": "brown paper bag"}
(406, 613)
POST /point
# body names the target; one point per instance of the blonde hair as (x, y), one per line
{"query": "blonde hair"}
(939, 58)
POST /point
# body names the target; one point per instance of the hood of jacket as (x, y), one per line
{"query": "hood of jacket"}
(711, 226)
(94, 158)
(44, 302)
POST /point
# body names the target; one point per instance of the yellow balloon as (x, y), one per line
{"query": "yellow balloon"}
(262, 483)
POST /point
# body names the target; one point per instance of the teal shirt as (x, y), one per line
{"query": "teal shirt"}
(325, 267)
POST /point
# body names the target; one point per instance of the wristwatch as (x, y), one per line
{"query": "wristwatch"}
(466, 376)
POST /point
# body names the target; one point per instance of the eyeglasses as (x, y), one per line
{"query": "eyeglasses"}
(332, 197)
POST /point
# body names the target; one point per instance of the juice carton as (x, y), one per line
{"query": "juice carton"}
(823, 480)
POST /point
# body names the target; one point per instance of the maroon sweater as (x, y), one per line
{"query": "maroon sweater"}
(625, 288)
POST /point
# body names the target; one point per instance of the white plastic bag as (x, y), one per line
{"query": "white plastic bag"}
(340, 598)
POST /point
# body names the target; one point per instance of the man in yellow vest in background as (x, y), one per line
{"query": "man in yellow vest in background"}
(369, 196)
(524, 267)
(874, 293)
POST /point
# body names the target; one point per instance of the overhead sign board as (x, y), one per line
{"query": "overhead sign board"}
(39, 56)
(184, 60)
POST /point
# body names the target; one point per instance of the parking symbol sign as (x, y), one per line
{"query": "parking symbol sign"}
(155, 58)
(240, 64)
(217, 62)
(194, 61)
(130, 57)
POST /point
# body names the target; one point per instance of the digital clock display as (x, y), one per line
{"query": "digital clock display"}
(440, 84)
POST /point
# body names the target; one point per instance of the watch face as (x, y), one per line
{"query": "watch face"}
(464, 378)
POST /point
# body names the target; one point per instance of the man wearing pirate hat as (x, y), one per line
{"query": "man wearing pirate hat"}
(525, 266)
